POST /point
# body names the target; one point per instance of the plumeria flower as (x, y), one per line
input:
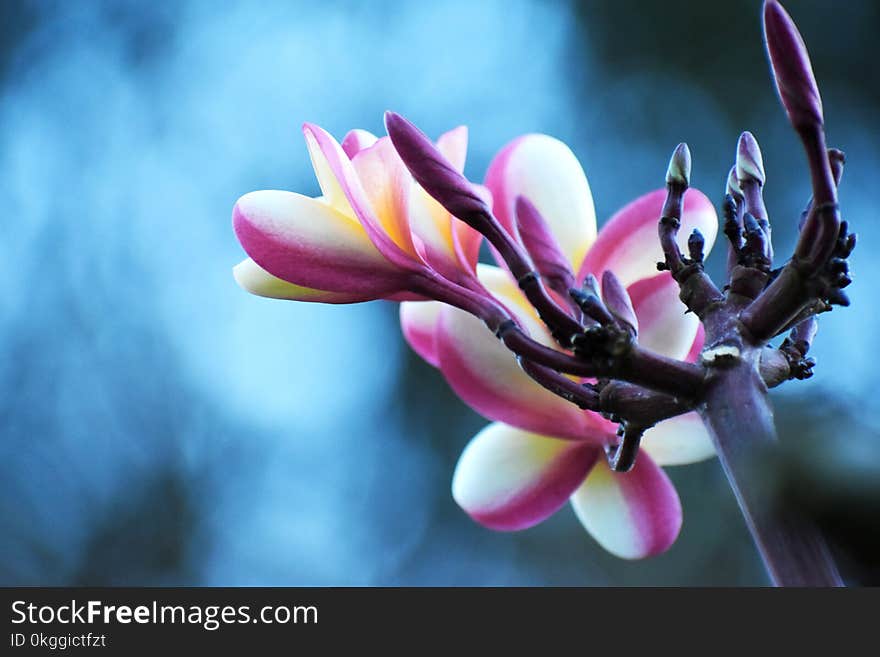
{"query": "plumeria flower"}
(541, 450)
(372, 234)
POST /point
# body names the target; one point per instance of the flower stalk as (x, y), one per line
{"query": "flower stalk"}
(739, 417)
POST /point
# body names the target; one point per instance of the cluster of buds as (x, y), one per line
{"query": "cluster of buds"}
(595, 364)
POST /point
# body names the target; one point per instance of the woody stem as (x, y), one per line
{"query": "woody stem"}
(738, 415)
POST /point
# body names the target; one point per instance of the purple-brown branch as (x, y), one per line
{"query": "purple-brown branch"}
(698, 292)
(801, 281)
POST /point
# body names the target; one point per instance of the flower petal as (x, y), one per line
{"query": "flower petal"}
(546, 172)
(337, 174)
(331, 189)
(453, 145)
(307, 242)
(432, 232)
(485, 374)
(256, 280)
(386, 182)
(508, 479)
(418, 321)
(665, 326)
(633, 515)
(679, 440)
(546, 254)
(445, 243)
(628, 243)
(357, 140)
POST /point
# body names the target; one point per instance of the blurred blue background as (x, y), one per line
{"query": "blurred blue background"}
(162, 427)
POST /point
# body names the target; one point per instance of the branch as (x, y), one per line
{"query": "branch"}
(800, 280)
(737, 413)
(790, 360)
(698, 292)
(584, 397)
(562, 326)
(610, 344)
(747, 224)
(500, 322)
(667, 375)
(800, 290)
(522, 345)
(635, 408)
(635, 365)
(733, 221)
(625, 401)
(751, 178)
(622, 457)
(597, 360)
(797, 345)
(774, 367)
(836, 160)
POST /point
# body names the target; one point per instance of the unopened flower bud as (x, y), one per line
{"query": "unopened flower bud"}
(617, 300)
(435, 173)
(749, 162)
(733, 188)
(791, 66)
(591, 305)
(696, 245)
(679, 170)
(591, 284)
(542, 247)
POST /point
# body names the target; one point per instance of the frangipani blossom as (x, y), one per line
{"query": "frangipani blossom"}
(373, 234)
(542, 451)
(586, 328)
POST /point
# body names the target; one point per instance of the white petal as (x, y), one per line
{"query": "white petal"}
(679, 441)
(633, 515)
(511, 479)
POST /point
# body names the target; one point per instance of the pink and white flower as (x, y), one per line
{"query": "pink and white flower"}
(374, 233)
(541, 450)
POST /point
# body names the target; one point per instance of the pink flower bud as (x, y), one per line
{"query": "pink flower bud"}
(617, 300)
(541, 245)
(434, 172)
(791, 68)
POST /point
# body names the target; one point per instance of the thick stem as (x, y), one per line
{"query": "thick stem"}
(640, 405)
(777, 305)
(657, 372)
(740, 420)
